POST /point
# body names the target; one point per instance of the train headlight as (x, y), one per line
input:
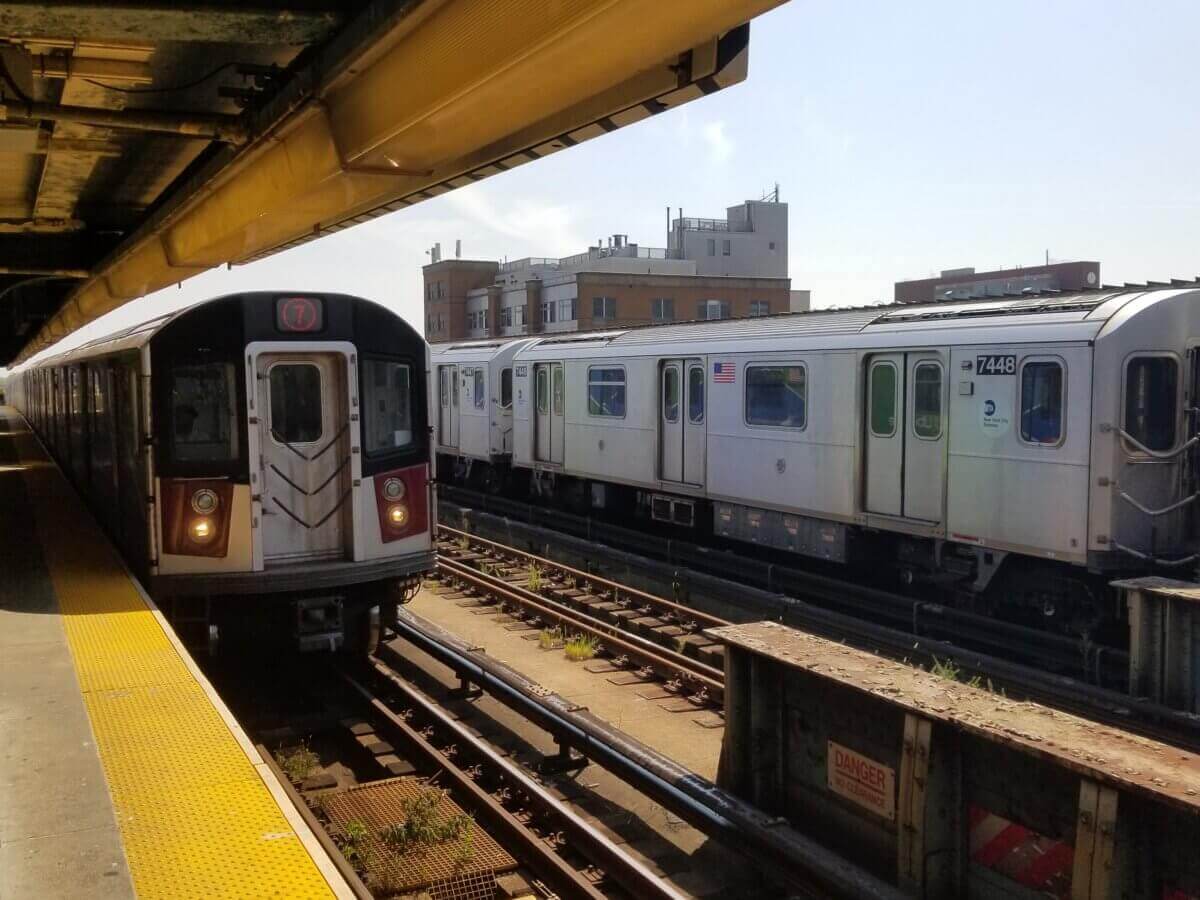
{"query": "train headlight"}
(205, 501)
(202, 530)
(393, 489)
(397, 515)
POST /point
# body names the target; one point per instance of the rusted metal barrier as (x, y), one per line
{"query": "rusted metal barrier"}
(951, 790)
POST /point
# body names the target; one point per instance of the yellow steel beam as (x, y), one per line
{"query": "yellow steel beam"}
(458, 88)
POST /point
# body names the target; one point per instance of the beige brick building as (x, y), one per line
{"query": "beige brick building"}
(713, 269)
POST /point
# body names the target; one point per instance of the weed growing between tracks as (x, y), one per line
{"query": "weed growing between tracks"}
(422, 828)
(581, 647)
(550, 638)
(299, 763)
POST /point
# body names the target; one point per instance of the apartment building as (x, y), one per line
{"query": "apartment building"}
(712, 268)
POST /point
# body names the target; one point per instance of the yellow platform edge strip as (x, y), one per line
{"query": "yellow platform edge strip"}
(200, 814)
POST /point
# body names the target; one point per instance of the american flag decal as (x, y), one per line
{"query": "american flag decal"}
(724, 373)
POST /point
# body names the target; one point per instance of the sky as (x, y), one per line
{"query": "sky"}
(905, 138)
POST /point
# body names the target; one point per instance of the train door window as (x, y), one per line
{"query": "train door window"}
(927, 400)
(505, 388)
(1151, 391)
(1042, 402)
(387, 406)
(777, 396)
(606, 392)
(296, 403)
(670, 393)
(883, 399)
(543, 390)
(558, 390)
(696, 395)
(479, 388)
(201, 412)
(453, 389)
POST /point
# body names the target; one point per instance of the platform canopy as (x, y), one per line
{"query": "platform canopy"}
(144, 142)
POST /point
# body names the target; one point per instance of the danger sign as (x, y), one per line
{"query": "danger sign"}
(862, 780)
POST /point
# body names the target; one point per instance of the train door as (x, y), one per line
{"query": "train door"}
(681, 420)
(305, 454)
(549, 387)
(925, 436)
(906, 435)
(448, 406)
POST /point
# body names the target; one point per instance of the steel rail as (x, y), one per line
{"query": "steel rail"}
(562, 876)
(767, 840)
(667, 663)
(680, 611)
(624, 869)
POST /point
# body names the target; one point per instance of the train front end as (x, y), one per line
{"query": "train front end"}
(291, 465)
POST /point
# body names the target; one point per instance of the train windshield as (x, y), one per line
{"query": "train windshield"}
(202, 410)
(387, 406)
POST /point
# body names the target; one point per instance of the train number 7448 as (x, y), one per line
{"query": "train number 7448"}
(996, 364)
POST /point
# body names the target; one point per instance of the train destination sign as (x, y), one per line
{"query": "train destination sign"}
(299, 314)
(862, 780)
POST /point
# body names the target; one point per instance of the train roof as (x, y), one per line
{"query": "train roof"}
(1061, 317)
(135, 336)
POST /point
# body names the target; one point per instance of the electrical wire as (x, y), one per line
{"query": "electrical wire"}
(164, 90)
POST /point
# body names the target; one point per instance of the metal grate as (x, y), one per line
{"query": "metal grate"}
(438, 869)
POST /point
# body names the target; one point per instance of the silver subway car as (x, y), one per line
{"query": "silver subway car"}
(1017, 451)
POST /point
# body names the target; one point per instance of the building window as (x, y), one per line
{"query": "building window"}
(549, 308)
(505, 388)
(506, 317)
(712, 246)
(776, 395)
(712, 309)
(1150, 398)
(566, 310)
(760, 307)
(726, 248)
(662, 309)
(604, 308)
(606, 392)
(441, 290)
(1041, 402)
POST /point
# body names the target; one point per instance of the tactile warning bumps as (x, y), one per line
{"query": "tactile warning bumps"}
(196, 820)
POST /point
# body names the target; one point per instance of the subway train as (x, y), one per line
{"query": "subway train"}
(262, 460)
(1014, 454)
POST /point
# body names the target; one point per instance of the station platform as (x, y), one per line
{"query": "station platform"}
(122, 773)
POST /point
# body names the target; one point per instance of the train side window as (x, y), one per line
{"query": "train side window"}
(387, 405)
(606, 392)
(202, 410)
(883, 399)
(505, 388)
(543, 391)
(1042, 402)
(558, 390)
(1151, 392)
(777, 396)
(927, 400)
(696, 395)
(479, 388)
(670, 393)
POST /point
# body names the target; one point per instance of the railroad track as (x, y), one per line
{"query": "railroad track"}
(508, 582)
(570, 857)
(1071, 657)
(632, 629)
